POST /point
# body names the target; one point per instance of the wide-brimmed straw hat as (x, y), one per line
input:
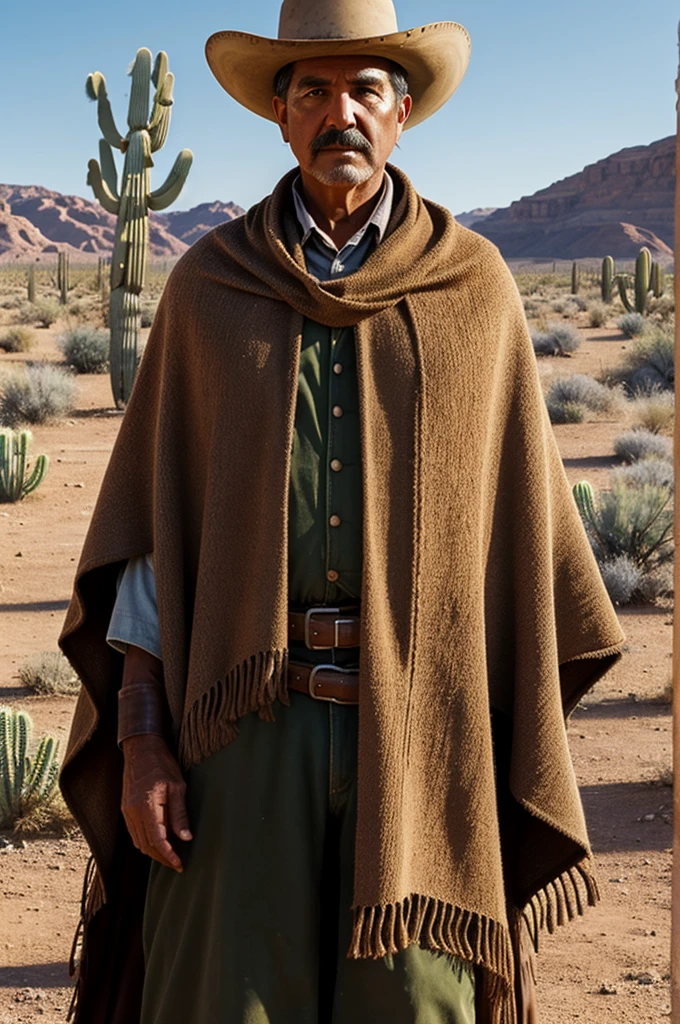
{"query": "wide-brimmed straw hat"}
(434, 56)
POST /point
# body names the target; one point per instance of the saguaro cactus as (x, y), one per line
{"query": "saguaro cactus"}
(15, 482)
(657, 282)
(607, 278)
(31, 283)
(132, 202)
(23, 782)
(63, 277)
(574, 278)
(641, 282)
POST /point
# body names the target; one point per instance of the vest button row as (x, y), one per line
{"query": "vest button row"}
(337, 410)
(335, 520)
(336, 465)
(337, 367)
(332, 575)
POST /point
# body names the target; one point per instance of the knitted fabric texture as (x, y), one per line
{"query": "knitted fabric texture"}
(484, 617)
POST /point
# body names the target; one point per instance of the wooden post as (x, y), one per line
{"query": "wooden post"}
(675, 876)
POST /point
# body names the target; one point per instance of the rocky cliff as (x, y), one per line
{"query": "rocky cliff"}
(613, 206)
(36, 221)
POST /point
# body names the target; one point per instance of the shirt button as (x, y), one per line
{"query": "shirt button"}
(335, 520)
(337, 410)
(337, 367)
(336, 465)
(332, 575)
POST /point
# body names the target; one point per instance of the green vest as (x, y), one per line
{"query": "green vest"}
(325, 499)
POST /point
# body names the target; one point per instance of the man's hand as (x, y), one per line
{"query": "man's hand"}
(153, 798)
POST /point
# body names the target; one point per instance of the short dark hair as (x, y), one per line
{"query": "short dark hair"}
(397, 74)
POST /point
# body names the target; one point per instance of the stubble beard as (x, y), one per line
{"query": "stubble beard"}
(344, 174)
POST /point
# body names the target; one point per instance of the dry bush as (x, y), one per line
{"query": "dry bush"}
(654, 410)
(49, 672)
(18, 339)
(52, 818)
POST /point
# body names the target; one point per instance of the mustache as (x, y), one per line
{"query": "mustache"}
(348, 137)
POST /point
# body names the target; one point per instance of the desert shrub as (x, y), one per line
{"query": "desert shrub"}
(13, 301)
(148, 311)
(598, 313)
(631, 324)
(567, 307)
(44, 312)
(25, 782)
(654, 409)
(79, 310)
(581, 388)
(532, 306)
(621, 577)
(49, 672)
(85, 348)
(41, 393)
(648, 365)
(659, 472)
(580, 302)
(662, 308)
(630, 531)
(18, 339)
(557, 339)
(643, 444)
(564, 412)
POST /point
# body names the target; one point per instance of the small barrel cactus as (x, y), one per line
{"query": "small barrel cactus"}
(24, 782)
(15, 481)
(133, 200)
(583, 495)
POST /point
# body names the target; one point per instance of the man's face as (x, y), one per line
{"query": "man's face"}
(341, 117)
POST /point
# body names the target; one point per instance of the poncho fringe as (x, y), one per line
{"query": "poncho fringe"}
(426, 921)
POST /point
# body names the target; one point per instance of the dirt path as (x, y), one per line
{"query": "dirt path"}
(610, 965)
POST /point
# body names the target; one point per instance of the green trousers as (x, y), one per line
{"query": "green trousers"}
(256, 928)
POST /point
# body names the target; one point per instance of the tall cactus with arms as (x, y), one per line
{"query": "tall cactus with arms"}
(147, 133)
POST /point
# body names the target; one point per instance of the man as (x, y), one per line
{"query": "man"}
(345, 786)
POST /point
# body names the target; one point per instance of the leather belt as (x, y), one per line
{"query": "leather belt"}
(322, 627)
(325, 682)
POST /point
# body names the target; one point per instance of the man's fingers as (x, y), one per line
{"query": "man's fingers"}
(177, 811)
(155, 827)
(159, 848)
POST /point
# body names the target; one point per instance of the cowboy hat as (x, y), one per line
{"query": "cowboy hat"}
(435, 56)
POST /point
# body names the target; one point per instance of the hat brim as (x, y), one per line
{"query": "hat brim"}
(434, 56)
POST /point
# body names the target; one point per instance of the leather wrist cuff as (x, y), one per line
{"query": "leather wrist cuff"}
(142, 709)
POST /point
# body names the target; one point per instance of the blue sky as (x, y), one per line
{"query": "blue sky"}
(549, 89)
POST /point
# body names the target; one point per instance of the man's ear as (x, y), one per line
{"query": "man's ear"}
(280, 109)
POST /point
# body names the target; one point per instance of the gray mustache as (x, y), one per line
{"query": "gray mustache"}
(349, 137)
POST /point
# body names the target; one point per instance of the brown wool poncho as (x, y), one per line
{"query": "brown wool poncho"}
(484, 615)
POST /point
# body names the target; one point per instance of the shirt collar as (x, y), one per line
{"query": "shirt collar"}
(379, 217)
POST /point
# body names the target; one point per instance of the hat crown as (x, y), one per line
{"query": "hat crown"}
(336, 19)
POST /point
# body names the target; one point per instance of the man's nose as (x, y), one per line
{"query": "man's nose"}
(341, 111)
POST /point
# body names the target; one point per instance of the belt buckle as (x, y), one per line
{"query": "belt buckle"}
(336, 623)
(336, 668)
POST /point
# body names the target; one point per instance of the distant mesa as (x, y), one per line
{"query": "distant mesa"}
(613, 206)
(36, 221)
(475, 216)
